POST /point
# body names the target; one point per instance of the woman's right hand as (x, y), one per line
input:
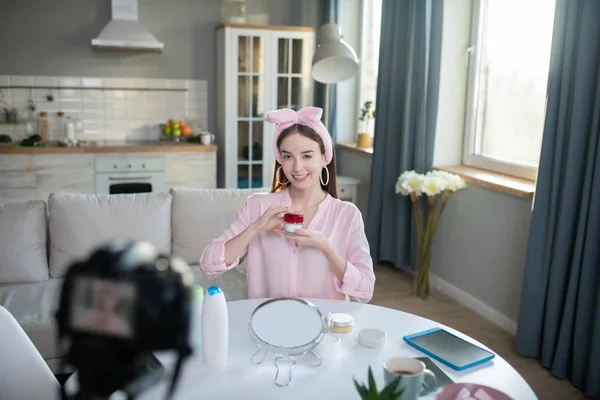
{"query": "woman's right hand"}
(271, 219)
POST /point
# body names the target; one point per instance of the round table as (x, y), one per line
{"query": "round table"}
(242, 379)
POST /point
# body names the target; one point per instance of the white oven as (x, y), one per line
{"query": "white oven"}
(129, 173)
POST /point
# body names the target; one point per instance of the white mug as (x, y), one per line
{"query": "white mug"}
(207, 138)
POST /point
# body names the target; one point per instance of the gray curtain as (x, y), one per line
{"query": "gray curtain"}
(330, 13)
(559, 320)
(407, 101)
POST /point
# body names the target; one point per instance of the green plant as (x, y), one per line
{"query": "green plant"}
(367, 114)
(370, 391)
(367, 111)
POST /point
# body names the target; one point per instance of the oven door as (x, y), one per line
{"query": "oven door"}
(130, 182)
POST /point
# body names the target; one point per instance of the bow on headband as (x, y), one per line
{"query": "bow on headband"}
(308, 116)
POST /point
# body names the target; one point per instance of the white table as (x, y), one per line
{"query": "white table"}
(333, 379)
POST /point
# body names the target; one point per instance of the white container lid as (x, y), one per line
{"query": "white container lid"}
(372, 338)
(342, 319)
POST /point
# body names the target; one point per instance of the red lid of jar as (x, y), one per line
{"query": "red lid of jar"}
(292, 218)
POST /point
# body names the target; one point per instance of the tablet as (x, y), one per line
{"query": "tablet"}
(441, 379)
(449, 349)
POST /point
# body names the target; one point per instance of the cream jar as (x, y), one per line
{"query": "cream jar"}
(342, 323)
(292, 221)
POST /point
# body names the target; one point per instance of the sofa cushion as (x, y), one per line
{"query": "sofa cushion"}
(80, 223)
(200, 215)
(232, 282)
(33, 305)
(23, 253)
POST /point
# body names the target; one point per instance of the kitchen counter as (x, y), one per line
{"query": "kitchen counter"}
(35, 173)
(110, 146)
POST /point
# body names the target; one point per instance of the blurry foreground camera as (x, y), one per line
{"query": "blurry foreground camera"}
(117, 307)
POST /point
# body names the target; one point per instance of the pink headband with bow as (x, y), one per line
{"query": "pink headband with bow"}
(308, 116)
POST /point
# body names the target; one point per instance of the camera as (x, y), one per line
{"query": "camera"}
(116, 308)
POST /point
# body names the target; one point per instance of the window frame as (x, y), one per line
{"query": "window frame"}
(474, 59)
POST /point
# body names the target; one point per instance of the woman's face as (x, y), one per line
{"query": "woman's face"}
(301, 160)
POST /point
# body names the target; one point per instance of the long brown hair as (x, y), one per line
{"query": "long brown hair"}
(279, 176)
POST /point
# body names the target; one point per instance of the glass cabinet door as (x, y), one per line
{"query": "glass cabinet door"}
(289, 73)
(251, 110)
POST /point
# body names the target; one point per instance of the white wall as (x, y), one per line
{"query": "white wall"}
(347, 91)
(109, 108)
(357, 165)
(480, 250)
(351, 163)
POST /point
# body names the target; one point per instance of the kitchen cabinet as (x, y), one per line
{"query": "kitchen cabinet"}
(35, 176)
(191, 170)
(17, 178)
(67, 173)
(259, 69)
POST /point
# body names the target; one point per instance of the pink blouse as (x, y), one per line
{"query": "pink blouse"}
(277, 267)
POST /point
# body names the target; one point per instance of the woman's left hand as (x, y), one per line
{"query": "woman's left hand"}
(305, 237)
(317, 240)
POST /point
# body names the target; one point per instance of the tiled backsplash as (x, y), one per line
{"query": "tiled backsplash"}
(110, 108)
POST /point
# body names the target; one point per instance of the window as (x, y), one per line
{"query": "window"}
(369, 59)
(509, 60)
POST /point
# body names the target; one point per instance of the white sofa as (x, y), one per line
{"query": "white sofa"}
(39, 240)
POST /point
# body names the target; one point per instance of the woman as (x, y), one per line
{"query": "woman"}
(330, 257)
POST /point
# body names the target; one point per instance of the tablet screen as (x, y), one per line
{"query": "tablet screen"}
(451, 348)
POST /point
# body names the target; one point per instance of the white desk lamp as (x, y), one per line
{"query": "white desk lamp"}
(334, 61)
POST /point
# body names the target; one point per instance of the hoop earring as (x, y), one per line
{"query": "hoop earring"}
(278, 174)
(321, 177)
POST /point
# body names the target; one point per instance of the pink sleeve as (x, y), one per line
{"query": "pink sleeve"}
(358, 281)
(212, 261)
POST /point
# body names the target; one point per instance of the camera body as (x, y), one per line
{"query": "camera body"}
(117, 307)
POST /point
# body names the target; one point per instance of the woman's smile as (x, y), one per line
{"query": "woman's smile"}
(300, 178)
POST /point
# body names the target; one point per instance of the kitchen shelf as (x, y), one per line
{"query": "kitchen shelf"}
(94, 88)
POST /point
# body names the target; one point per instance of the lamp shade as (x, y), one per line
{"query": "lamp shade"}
(335, 60)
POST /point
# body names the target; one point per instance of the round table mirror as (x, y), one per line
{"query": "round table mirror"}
(286, 327)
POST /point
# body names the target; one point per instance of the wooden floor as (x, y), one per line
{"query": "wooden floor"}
(393, 290)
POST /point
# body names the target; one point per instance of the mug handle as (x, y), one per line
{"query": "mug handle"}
(211, 135)
(428, 387)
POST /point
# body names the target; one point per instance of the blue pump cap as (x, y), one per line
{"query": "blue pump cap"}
(213, 290)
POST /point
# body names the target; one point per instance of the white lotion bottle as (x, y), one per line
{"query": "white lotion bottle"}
(215, 327)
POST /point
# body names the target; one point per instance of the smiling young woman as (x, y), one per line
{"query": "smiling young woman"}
(328, 174)
(328, 257)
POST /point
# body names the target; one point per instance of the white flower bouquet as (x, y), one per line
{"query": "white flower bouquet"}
(436, 185)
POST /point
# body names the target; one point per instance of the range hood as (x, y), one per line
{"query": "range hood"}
(125, 33)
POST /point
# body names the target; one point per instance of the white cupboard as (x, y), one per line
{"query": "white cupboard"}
(259, 69)
(26, 177)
